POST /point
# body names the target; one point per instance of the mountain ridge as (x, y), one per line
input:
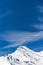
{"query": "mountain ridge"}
(22, 56)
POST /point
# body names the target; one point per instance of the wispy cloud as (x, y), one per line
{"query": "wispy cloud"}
(19, 38)
(40, 19)
(3, 52)
(38, 26)
(40, 9)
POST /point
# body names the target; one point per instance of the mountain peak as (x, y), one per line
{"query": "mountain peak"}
(22, 56)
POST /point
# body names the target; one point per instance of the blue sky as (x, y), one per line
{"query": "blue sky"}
(21, 23)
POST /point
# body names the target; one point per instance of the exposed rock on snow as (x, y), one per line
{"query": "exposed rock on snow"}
(22, 56)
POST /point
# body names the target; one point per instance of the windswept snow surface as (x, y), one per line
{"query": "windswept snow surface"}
(4, 61)
(22, 56)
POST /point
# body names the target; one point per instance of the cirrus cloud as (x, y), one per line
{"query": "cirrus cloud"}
(19, 38)
(38, 26)
(40, 9)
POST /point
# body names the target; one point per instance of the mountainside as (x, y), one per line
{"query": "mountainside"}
(22, 56)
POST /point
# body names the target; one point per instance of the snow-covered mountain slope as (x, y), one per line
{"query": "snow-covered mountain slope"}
(22, 56)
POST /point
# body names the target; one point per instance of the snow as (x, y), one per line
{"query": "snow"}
(4, 61)
(22, 56)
